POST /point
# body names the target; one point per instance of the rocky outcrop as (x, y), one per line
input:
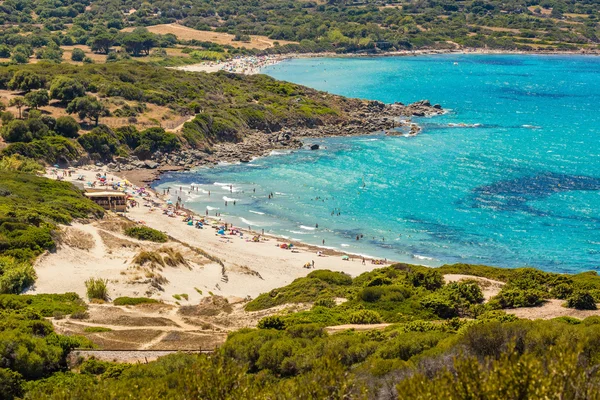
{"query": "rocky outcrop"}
(360, 118)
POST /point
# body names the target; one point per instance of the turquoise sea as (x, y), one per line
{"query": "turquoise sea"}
(518, 185)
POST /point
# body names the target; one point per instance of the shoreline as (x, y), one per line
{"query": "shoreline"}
(252, 65)
(238, 266)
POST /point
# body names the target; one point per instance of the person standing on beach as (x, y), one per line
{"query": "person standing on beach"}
(323, 242)
(225, 203)
(313, 264)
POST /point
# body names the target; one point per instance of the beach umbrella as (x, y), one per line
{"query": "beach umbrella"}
(345, 258)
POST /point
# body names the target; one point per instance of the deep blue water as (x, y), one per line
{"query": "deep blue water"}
(519, 186)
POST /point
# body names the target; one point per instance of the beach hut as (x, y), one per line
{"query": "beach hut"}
(108, 199)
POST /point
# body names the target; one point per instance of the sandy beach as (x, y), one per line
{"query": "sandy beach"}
(251, 65)
(248, 268)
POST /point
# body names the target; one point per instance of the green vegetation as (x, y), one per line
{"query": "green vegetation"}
(30, 209)
(540, 359)
(227, 107)
(96, 289)
(34, 27)
(96, 329)
(132, 301)
(146, 233)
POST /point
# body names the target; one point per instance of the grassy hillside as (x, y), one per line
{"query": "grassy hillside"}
(30, 210)
(226, 107)
(101, 27)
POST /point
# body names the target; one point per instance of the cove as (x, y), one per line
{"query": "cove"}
(509, 177)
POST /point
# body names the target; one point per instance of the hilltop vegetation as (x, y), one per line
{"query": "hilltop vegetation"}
(39, 29)
(226, 106)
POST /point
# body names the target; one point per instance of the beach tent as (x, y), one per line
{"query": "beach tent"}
(345, 258)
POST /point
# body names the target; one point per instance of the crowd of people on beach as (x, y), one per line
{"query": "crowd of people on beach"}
(144, 196)
(248, 65)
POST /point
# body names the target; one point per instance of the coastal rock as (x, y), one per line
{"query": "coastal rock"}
(314, 147)
(151, 164)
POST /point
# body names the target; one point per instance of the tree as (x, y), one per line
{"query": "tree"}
(17, 131)
(26, 81)
(67, 127)
(50, 53)
(87, 107)
(19, 58)
(66, 89)
(4, 51)
(19, 103)
(102, 42)
(77, 55)
(139, 41)
(37, 99)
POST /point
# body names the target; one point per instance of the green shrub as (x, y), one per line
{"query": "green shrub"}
(407, 345)
(272, 322)
(365, 317)
(430, 279)
(325, 302)
(441, 305)
(581, 300)
(15, 276)
(371, 294)
(132, 301)
(562, 291)
(515, 298)
(11, 384)
(334, 278)
(96, 329)
(96, 288)
(146, 233)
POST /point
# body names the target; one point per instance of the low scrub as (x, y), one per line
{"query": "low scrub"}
(132, 301)
(146, 233)
(97, 289)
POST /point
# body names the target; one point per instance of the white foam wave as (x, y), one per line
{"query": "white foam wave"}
(223, 184)
(308, 228)
(248, 222)
(531, 126)
(419, 257)
(279, 153)
(345, 245)
(230, 199)
(299, 232)
(256, 212)
(209, 208)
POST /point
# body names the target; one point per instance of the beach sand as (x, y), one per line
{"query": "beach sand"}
(249, 268)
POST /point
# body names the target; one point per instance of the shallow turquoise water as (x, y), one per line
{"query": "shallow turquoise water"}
(521, 186)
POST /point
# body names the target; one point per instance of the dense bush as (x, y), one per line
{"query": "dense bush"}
(331, 277)
(272, 322)
(365, 317)
(515, 298)
(52, 149)
(146, 233)
(581, 300)
(67, 126)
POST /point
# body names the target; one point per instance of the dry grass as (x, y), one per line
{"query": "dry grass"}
(151, 258)
(172, 257)
(185, 33)
(77, 239)
(114, 243)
